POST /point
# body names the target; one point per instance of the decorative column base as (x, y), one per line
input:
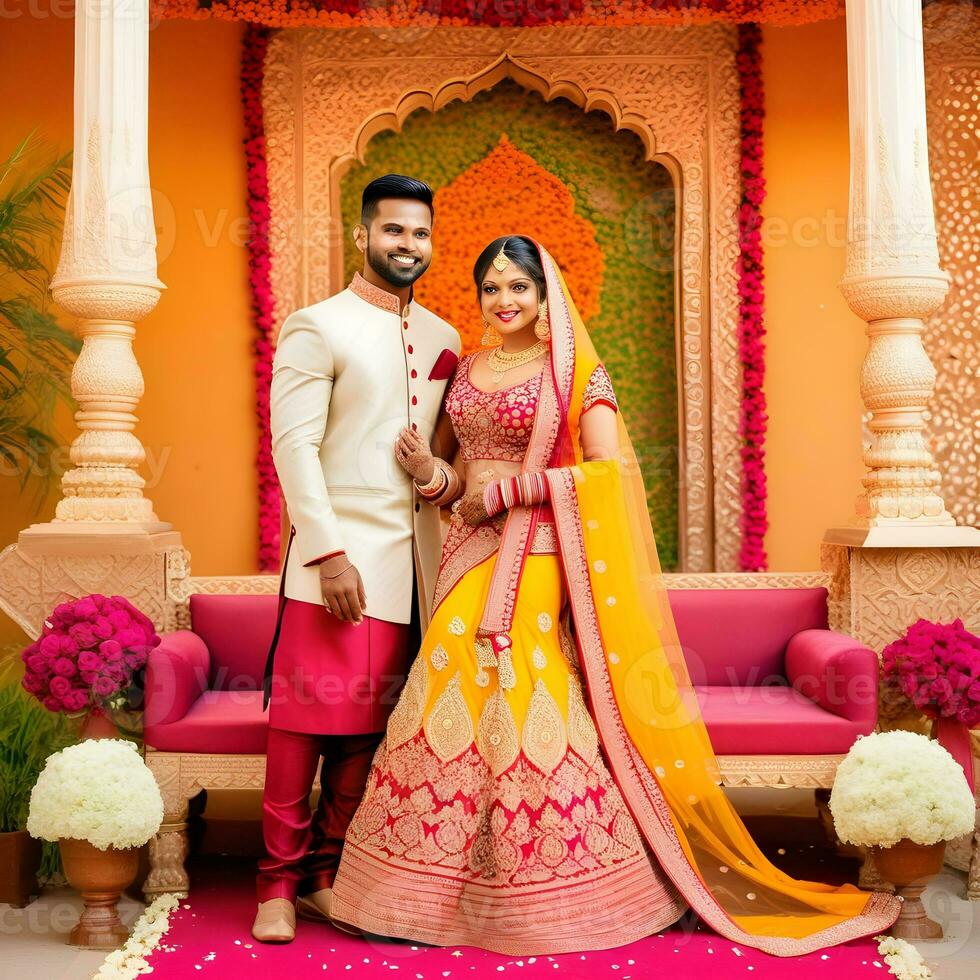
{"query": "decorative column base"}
(885, 578)
(56, 562)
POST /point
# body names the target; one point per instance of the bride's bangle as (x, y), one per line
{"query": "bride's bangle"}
(493, 500)
(451, 489)
(434, 485)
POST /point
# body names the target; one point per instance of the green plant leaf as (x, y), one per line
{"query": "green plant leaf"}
(37, 352)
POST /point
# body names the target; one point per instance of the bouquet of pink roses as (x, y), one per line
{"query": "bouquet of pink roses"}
(87, 653)
(937, 667)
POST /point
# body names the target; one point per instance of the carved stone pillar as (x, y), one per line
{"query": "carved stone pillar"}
(892, 276)
(901, 556)
(104, 536)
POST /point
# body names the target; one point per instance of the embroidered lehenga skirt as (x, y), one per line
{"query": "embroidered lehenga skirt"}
(490, 817)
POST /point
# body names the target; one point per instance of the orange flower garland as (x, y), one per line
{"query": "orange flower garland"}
(467, 13)
(507, 192)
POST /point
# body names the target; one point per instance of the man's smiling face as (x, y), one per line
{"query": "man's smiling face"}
(398, 240)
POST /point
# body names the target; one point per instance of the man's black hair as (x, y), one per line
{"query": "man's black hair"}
(393, 185)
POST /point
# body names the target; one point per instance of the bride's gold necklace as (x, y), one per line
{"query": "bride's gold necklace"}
(500, 361)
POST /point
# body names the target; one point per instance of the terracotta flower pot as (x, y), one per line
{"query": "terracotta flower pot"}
(98, 724)
(20, 858)
(100, 877)
(909, 866)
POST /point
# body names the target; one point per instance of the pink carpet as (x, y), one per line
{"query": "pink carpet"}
(211, 940)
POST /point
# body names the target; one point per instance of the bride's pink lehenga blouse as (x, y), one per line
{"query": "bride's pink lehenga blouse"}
(490, 816)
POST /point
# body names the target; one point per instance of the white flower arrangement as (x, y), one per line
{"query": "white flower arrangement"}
(903, 959)
(895, 785)
(130, 961)
(100, 791)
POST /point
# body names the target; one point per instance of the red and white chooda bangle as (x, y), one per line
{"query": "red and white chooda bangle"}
(524, 489)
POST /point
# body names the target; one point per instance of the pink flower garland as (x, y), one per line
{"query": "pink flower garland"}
(751, 328)
(254, 45)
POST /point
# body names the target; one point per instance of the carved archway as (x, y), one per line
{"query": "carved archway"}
(327, 93)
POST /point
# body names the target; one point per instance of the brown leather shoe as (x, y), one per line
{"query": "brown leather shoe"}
(275, 921)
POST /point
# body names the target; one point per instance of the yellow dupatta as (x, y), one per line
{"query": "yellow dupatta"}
(639, 690)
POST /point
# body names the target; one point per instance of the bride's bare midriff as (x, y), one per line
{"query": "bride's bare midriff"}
(475, 470)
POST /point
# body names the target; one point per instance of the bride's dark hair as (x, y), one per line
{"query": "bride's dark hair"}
(519, 249)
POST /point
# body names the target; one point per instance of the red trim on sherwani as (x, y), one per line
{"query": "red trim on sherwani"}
(322, 558)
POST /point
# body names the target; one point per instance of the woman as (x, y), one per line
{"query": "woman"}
(546, 783)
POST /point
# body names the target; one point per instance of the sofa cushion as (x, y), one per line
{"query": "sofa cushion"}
(739, 636)
(218, 723)
(237, 630)
(740, 721)
(773, 721)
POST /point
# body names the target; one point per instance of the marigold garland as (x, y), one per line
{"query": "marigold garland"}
(475, 13)
(507, 190)
(254, 45)
(751, 328)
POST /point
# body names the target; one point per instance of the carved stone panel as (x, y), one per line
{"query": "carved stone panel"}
(877, 593)
(952, 67)
(327, 93)
(149, 570)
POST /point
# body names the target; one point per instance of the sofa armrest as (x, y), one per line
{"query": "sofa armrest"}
(835, 671)
(177, 674)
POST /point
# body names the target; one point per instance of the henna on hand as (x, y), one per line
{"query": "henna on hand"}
(414, 456)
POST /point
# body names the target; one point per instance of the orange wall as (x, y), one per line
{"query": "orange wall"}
(814, 343)
(197, 416)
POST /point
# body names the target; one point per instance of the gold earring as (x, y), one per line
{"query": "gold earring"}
(542, 329)
(488, 334)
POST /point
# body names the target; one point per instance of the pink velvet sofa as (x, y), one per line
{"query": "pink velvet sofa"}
(783, 696)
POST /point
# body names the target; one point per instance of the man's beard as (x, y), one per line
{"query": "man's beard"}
(391, 271)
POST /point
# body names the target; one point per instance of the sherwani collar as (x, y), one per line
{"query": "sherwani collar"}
(377, 296)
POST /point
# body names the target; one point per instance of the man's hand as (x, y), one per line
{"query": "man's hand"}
(343, 593)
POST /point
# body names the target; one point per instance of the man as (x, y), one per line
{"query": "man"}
(349, 374)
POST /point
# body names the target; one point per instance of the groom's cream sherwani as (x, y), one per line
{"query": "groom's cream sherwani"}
(349, 373)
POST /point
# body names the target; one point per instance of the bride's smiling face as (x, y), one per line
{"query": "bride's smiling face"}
(509, 300)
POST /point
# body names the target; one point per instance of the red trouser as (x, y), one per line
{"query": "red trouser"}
(302, 849)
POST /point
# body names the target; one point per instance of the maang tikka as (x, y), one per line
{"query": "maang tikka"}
(499, 262)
